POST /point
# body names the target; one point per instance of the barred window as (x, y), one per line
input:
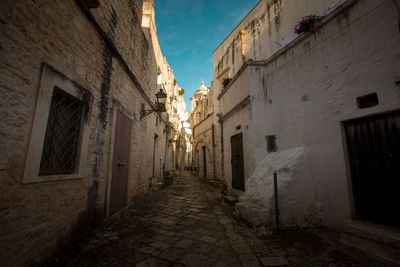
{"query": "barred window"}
(61, 143)
(58, 144)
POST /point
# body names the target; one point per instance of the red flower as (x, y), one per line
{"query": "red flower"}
(307, 24)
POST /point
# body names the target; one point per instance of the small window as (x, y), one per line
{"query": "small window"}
(367, 101)
(60, 132)
(271, 143)
(61, 140)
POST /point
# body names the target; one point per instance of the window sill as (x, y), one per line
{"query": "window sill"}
(54, 178)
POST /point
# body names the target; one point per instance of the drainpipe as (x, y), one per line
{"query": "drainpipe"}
(398, 11)
(276, 202)
(221, 123)
(242, 34)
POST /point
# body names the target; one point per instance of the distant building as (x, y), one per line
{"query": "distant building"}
(204, 136)
(175, 106)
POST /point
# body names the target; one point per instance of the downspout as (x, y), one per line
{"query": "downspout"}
(221, 123)
(398, 11)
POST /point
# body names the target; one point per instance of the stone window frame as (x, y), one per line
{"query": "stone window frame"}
(51, 78)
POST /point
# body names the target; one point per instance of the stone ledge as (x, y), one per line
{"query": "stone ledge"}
(231, 200)
(382, 243)
(254, 214)
(157, 186)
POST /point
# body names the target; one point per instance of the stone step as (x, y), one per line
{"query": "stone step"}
(380, 242)
(231, 200)
(157, 186)
(254, 214)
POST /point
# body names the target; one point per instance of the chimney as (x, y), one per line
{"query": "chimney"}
(242, 34)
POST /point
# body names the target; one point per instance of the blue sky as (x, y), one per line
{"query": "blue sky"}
(190, 30)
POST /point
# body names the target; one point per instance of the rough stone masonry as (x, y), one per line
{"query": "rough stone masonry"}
(103, 49)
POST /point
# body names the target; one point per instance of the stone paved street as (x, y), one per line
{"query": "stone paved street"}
(187, 224)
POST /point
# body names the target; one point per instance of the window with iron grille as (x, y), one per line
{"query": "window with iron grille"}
(58, 144)
(61, 143)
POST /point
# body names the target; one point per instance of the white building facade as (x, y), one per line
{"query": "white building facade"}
(319, 109)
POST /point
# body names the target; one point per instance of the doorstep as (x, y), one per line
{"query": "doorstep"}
(373, 239)
(157, 186)
(231, 200)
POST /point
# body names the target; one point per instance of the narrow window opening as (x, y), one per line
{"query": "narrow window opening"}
(367, 101)
(271, 143)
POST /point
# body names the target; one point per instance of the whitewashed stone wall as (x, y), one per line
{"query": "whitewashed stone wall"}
(304, 93)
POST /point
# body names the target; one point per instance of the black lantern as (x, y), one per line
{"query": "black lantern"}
(159, 105)
(161, 101)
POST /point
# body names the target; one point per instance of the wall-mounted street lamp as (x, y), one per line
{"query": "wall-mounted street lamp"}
(159, 105)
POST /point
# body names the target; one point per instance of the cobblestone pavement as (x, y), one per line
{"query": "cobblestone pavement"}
(187, 224)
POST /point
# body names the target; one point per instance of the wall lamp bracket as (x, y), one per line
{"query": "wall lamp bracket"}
(144, 113)
(159, 105)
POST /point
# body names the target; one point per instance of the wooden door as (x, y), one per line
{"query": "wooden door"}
(237, 162)
(155, 156)
(204, 162)
(374, 155)
(120, 167)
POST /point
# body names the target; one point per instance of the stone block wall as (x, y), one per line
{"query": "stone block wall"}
(105, 51)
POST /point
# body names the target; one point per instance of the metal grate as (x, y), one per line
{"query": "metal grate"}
(61, 141)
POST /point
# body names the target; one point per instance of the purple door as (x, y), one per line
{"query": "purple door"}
(120, 167)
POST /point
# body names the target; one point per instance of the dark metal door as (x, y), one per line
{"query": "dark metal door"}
(120, 167)
(374, 155)
(204, 162)
(237, 162)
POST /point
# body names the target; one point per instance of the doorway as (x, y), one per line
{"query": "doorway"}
(373, 145)
(237, 162)
(155, 155)
(120, 165)
(204, 162)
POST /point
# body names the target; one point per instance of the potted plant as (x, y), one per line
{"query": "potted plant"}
(226, 81)
(308, 24)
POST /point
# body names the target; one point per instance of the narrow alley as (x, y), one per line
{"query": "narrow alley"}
(188, 224)
(199, 133)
